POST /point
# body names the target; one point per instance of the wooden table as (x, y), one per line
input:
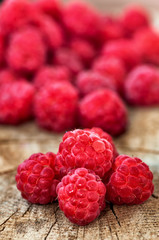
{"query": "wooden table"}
(21, 220)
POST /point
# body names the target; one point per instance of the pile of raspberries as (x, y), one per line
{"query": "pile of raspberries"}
(86, 173)
(69, 66)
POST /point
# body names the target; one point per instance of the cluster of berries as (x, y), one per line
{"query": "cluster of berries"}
(86, 172)
(67, 73)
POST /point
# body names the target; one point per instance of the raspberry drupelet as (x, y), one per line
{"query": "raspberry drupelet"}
(81, 196)
(130, 183)
(36, 178)
(55, 106)
(16, 102)
(104, 109)
(82, 148)
(26, 51)
(142, 86)
(6, 76)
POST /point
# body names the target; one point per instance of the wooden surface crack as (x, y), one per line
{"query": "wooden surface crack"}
(8, 218)
(28, 210)
(113, 211)
(155, 196)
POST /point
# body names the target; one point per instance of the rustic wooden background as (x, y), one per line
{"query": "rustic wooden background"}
(20, 220)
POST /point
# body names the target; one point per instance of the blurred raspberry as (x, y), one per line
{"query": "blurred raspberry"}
(26, 51)
(84, 50)
(131, 182)
(82, 148)
(15, 14)
(55, 106)
(50, 7)
(112, 67)
(50, 74)
(142, 86)
(134, 18)
(68, 58)
(125, 50)
(147, 43)
(81, 196)
(16, 99)
(36, 178)
(89, 81)
(6, 76)
(81, 19)
(104, 109)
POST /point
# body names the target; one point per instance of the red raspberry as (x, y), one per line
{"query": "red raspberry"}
(89, 81)
(50, 74)
(36, 178)
(51, 30)
(6, 76)
(84, 50)
(16, 100)
(56, 106)
(51, 7)
(147, 43)
(131, 182)
(106, 136)
(142, 86)
(68, 58)
(15, 14)
(81, 196)
(125, 50)
(134, 18)
(82, 148)
(26, 52)
(104, 109)
(113, 67)
(110, 29)
(80, 19)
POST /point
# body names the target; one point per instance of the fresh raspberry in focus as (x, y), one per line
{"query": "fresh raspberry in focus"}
(80, 19)
(82, 148)
(104, 109)
(84, 50)
(36, 178)
(112, 67)
(147, 43)
(133, 19)
(81, 196)
(89, 81)
(26, 51)
(68, 58)
(125, 50)
(16, 99)
(49, 74)
(55, 106)
(131, 182)
(142, 86)
(6, 76)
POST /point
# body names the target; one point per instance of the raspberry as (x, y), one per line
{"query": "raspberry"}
(6, 76)
(89, 81)
(81, 196)
(52, 32)
(104, 109)
(2, 49)
(133, 19)
(125, 50)
(16, 100)
(113, 67)
(84, 50)
(106, 136)
(15, 14)
(147, 42)
(142, 86)
(50, 7)
(55, 106)
(68, 58)
(26, 52)
(36, 178)
(81, 20)
(48, 74)
(131, 182)
(82, 148)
